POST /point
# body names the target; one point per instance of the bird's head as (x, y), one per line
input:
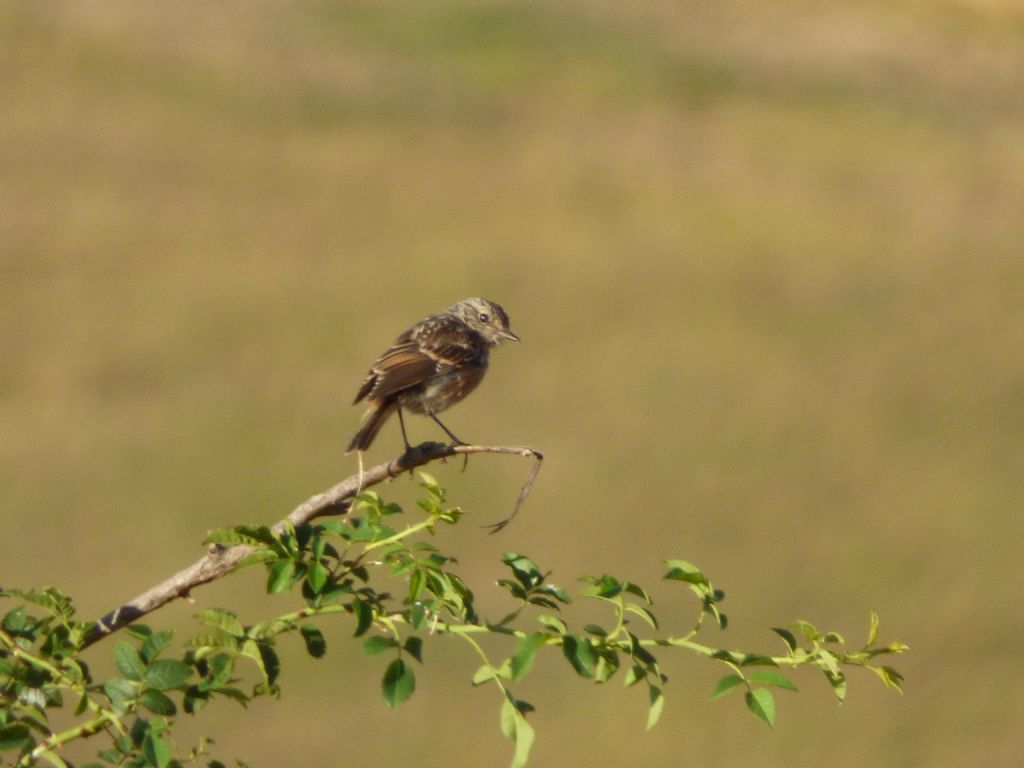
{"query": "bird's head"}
(486, 318)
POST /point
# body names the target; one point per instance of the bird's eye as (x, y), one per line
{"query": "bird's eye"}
(484, 317)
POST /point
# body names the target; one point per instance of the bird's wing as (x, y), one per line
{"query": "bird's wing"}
(432, 346)
(448, 341)
(401, 367)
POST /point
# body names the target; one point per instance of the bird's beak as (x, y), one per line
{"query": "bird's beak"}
(510, 336)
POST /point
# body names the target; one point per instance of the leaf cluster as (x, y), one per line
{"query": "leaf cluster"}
(395, 588)
(41, 669)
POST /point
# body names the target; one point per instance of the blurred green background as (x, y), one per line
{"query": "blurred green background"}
(766, 261)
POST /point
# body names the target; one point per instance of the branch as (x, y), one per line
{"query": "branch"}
(334, 501)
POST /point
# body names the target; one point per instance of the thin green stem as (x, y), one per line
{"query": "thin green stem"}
(82, 731)
(302, 613)
(20, 653)
(483, 656)
(477, 629)
(408, 531)
(734, 659)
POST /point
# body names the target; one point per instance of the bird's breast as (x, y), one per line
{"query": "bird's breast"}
(444, 390)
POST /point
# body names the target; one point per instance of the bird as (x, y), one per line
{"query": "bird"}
(431, 366)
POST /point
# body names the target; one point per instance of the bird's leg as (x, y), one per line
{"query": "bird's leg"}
(455, 440)
(408, 448)
(401, 423)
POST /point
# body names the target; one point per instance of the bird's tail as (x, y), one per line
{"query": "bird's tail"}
(372, 422)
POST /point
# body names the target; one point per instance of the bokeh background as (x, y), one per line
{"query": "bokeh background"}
(766, 261)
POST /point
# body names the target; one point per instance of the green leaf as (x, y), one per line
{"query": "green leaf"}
(334, 527)
(363, 612)
(128, 661)
(269, 628)
(156, 751)
(398, 683)
(221, 666)
(138, 631)
(220, 618)
(634, 675)
(167, 673)
(258, 557)
(417, 583)
(484, 674)
(889, 676)
(515, 727)
(755, 660)
(580, 654)
(636, 589)
(522, 659)
(524, 707)
(641, 654)
(359, 529)
(262, 534)
(252, 535)
(524, 569)
(643, 613)
(120, 692)
(657, 700)
(16, 620)
(73, 668)
(156, 702)
(514, 588)
(554, 591)
(761, 703)
(413, 645)
(607, 586)
(316, 645)
(720, 618)
(787, 637)
(236, 695)
(607, 665)
(419, 616)
(29, 715)
(681, 570)
(772, 677)
(873, 628)
(316, 576)
(429, 482)
(725, 685)
(832, 637)
(154, 644)
(369, 499)
(280, 575)
(828, 662)
(838, 687)
(553, 623)
(214, 638)
(808, 630)
(14, 736)
(376, 644)
(319, 547)
(265, 657)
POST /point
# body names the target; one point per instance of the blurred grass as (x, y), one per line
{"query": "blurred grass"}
(765, 262)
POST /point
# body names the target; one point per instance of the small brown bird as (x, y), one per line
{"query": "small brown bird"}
(432, 366)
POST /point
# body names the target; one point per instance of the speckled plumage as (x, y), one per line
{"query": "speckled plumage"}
(432, 365)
